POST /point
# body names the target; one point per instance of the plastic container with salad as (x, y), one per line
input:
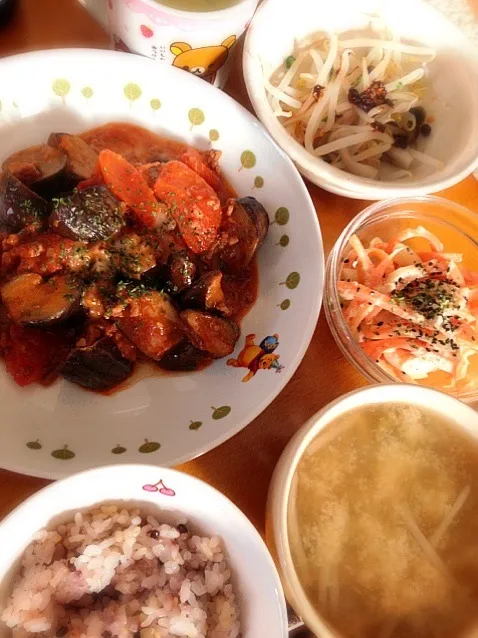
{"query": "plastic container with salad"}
(402, 294)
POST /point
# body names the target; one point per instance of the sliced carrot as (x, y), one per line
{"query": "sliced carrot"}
(375, 349)
(127, 183)
(473, 300)
(193, 204)
(427, 256)
(396, 335)
(382, 269)
(352, 290)
(471, 277)
(356, 312)
(195, 161)
(403, 276)
(411, 233)
(361, 253)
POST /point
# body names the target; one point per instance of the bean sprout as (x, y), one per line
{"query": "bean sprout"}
(350, 101)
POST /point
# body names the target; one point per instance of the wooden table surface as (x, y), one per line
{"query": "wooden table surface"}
(241, 468)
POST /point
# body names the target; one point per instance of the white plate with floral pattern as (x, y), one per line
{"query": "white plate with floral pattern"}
(165, 420)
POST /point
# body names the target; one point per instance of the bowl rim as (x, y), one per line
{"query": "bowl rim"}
(215, 14)
(168, 71)
(77, 479)
(460, 414)
(341, 332)
(317, 170)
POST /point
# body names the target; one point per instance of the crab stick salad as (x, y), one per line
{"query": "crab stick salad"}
(414, 311)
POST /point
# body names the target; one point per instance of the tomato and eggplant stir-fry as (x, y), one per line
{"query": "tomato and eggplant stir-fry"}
(119, 246)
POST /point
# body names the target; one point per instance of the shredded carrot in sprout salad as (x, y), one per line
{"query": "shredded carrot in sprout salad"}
(356, 102)
(413, 312)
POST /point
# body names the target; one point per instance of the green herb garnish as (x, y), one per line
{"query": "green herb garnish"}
(289, 61)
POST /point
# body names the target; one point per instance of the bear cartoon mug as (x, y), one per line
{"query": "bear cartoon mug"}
(198, 42)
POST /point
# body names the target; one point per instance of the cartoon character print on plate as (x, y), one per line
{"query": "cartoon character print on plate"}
(258, 357)
(204, 61)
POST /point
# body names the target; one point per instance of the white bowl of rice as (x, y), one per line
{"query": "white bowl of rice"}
(370, 98)
(135, 551)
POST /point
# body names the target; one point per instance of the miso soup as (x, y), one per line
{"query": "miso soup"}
(383, 525)
(198, 5)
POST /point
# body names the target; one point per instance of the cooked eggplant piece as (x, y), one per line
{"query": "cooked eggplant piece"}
(181, 270)
(257, 214)
(42, 167)
(215, 335)
(206, 293)
(89, 214)
(31, 300)
(81, 159)
(243, 240)
(183, 357)
(19, 206)
(151, 322)
(99, 366)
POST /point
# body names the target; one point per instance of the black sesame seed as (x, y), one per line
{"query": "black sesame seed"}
(154, 534)
(182, 529)
(425, 130)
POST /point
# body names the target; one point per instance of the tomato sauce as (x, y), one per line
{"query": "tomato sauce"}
(155, 198)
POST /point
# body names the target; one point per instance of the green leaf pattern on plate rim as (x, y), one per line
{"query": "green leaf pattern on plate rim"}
(248, 160)
(155, 104)
(282, 216)
(132, 92)
(148, 447)
(63, 454)
(220, 413)
(87, 92)
(61, 87)
(292, 281)
(34, 445)
(196, 117)
(118, 449)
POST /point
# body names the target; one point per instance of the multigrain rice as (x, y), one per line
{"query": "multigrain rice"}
(110, 573)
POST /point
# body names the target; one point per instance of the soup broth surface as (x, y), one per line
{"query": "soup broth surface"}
(198, 5)
(383, 525)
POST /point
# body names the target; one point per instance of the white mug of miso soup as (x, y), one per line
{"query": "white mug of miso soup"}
(198, 36)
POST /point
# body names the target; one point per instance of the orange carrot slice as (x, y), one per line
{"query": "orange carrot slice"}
(194, 160)
(193, 204)
(127, 183)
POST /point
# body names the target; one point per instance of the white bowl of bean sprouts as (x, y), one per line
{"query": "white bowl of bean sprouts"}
(370, 98)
